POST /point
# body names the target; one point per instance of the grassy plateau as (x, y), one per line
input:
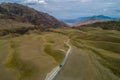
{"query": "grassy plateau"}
(95, 54)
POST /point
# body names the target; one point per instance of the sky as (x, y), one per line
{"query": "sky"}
(70, 9)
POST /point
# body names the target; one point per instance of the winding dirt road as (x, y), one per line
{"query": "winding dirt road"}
(55, 71)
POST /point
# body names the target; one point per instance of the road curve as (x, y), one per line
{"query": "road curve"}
(54, 72)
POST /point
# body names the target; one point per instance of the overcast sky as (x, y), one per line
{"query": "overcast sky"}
(66, 9)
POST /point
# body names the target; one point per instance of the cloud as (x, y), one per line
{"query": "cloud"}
(84, 1)
(74, 8)
(109, 3)
(105, 10)
(117, 11)
(35, 1)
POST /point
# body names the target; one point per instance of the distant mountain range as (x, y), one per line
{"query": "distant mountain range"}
(103, 17)
(88, 21)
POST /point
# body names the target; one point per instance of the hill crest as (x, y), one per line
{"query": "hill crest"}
(23, 13)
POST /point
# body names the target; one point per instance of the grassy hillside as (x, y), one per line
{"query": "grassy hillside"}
(27, 57)
(18, 19)
(108, 25)
(95, 55)
(9, 26)
(22, 13)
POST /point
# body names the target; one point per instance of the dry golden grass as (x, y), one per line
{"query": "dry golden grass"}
(28, 57)
(94, 57)
(24, 57)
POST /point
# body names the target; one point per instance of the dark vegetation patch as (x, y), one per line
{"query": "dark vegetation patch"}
(109, 25)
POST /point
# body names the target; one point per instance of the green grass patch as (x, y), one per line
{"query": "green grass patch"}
(106, 52)
(109, 62)
(56, 54)
(110, 46)
(104, 44)
(13, 62)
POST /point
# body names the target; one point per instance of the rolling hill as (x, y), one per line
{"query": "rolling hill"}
(106, 25)
(14, 14)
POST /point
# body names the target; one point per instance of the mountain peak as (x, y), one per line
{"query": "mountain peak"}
(101, 17)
